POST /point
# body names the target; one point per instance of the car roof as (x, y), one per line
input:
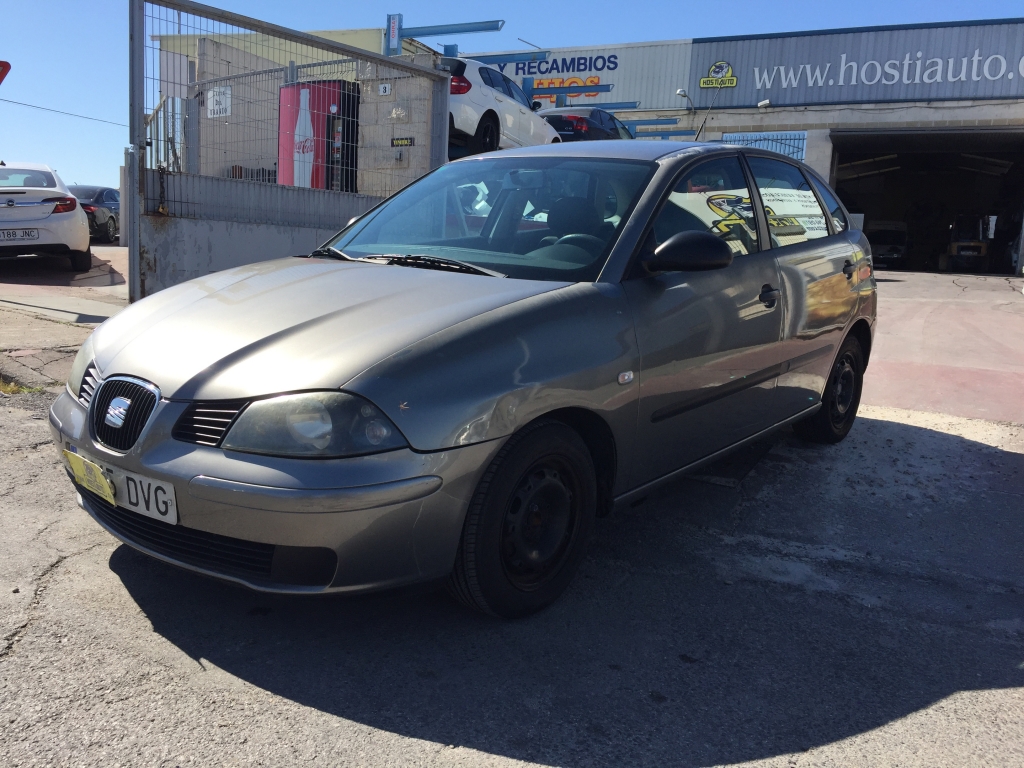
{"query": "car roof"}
(28, 166)
(614, 150)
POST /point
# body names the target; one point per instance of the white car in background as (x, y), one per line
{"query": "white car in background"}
(489, 111)
(38, 214)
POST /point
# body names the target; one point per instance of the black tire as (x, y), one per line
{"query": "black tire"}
(110, 233)
(509, 565)
(487, 136)
(81, 261)
(841, 398)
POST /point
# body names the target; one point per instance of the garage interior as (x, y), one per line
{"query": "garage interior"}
(938, 187)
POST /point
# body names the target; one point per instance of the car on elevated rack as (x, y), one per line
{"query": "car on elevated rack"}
(40, 215)
(457, 384)
(488, 111)
(103, 207)
(585, 124)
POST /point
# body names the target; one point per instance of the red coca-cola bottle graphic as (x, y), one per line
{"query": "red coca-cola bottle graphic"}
(303, 157)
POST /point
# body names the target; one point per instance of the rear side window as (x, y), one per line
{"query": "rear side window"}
(517, 92)
(714, 198)
(492, 77)
(835, 210)
(790, 206)
(25, 177)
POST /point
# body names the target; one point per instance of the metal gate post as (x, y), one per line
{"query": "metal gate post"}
(137, 136)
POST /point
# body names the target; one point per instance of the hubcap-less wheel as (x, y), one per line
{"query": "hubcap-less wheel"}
(528, 522)
(540, 523)
(111, 230)
(844, 388)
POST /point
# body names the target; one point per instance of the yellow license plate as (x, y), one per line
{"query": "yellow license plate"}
(90, 476)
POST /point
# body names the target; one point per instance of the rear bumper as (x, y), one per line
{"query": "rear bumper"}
(58, 233)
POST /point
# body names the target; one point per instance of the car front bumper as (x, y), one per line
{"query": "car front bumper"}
(287, 525)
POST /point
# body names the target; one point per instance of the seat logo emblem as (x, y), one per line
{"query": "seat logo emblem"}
(10, 203)
(116, 412)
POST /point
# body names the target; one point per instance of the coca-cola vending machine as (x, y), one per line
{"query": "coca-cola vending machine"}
(318, 135)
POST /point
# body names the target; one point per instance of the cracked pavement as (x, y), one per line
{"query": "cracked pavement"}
(852, 605)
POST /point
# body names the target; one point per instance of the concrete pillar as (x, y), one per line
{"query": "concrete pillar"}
(818, 154)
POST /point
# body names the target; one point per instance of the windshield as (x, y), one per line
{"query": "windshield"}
(84, 193)
(26, 177)
(542, 218)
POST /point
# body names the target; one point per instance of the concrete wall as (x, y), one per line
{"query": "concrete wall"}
(175, 250)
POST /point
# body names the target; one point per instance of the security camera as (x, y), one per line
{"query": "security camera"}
(764, 104)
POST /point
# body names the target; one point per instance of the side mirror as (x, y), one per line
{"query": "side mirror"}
(689, 252)
(536, 106)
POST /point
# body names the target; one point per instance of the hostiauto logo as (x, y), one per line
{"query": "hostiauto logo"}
(911, 69)
(719, 76)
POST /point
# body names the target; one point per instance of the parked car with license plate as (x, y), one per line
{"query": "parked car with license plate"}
(103, 207)
(40, 215)
(456, 385)
(585, 124)
(489, 111)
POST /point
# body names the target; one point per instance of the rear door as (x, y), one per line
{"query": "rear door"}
(529, 126)
(709, 341)
(819, 265)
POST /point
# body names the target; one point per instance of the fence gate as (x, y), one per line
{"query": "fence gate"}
(251, 141)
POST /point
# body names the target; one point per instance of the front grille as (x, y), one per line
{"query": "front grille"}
(220, 554)
(141, 399)
(206, 422)
(88, 386)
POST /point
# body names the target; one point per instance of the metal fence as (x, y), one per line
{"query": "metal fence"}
(790, 143)
(236, 120)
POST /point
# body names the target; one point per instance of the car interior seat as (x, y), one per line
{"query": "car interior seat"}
(572, 216)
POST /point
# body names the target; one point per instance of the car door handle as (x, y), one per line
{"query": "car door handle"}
(849, 269)
(769, 296)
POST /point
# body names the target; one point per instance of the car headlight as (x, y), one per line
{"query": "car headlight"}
(82, 359)
(313, 424)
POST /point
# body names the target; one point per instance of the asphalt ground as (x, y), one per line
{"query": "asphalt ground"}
(853, 605)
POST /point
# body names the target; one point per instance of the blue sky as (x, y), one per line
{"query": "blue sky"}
(73, 55)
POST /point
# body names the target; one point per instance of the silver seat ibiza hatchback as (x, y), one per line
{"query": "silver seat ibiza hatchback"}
(456, 385)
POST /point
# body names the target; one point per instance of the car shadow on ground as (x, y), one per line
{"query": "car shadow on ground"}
(653, 657)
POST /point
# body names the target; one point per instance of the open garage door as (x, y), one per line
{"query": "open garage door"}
(936, 200)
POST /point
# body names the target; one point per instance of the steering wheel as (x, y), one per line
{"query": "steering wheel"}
(589, 243)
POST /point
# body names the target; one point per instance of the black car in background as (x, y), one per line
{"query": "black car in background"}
(585, 124)
(103, 207)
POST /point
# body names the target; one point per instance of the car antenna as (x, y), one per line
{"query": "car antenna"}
(697, 137)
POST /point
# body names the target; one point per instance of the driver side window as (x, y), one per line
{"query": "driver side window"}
(714, 198)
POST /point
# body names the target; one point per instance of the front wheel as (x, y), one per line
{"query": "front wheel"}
(528, 523)
(841, 398)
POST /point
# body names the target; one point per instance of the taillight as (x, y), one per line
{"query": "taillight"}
(63, 204)
(460, 85)
(578, 123)
(88, 208)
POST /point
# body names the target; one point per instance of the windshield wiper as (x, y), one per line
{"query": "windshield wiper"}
(424, 261)
(326, 251)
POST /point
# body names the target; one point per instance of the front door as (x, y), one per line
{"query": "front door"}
(819, 261)
(709, 341)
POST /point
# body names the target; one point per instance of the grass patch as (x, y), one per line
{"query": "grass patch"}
(10, 388)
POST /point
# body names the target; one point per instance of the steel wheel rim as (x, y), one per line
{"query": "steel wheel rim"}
(540, 524)
(844, 389)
